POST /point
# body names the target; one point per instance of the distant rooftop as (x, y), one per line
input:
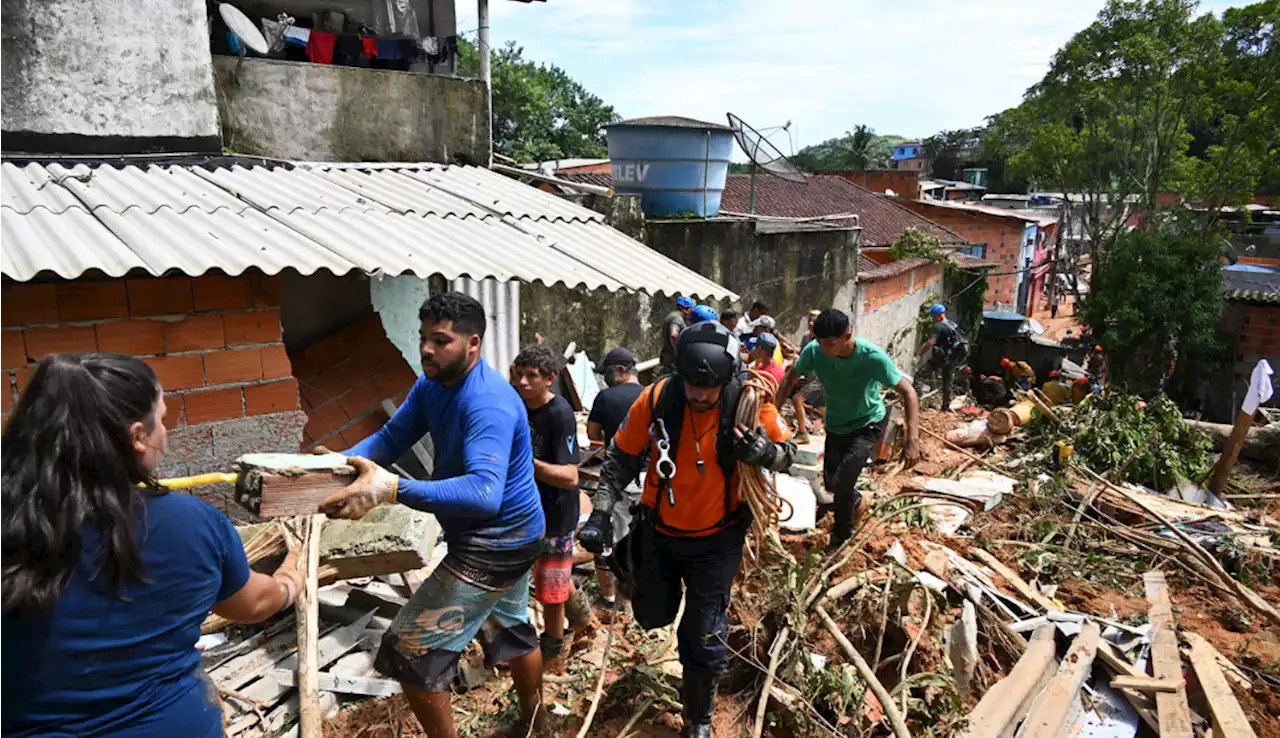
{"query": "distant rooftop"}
(1251, 284)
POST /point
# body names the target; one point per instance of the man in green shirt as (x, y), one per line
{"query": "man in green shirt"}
(676, 321)
(853, 372)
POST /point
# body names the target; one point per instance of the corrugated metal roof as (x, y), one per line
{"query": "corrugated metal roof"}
(414, 218)
(1260, 285)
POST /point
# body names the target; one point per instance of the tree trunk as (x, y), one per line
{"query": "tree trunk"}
(1261, 444)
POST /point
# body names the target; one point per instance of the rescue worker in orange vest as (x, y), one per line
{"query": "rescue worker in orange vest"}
(689, 528)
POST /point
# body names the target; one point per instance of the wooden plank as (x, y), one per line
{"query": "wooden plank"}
(1057, 706)
(1229, 721)
(1233, 672)
(311, 722)
(1007, 702)
(1148, 685)
(1166, 662)
(343, 684)
(1111, 658)
(1015, 581)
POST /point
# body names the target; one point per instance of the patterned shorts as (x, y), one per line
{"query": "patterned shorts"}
(423, 644)
(553, 571)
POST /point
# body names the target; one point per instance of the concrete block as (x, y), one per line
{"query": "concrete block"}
(811, 453)
(806, 471)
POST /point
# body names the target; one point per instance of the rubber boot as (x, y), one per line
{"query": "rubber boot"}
(699, 696)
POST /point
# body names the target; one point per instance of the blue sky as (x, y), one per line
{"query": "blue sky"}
(908, 67)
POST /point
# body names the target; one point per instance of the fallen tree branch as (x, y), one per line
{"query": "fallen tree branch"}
(775, 655)
(604, 669)
(864, 670)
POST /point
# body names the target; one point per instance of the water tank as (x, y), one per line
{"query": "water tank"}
(677, 165)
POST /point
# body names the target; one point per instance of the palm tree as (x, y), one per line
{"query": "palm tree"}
(855, 150)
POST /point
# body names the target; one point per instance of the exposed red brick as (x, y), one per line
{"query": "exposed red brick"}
(25, 304)
(62, 339)
(362, 428)
(194, 333)
(134, 337)
(361, 399)
(255, 326)
(273, 397)
(232, 366)
(275, 362)
(335, 382)
(92, 300)
(305, 364)
(313, 396)
(220, 292)
(323, 419)
(6, 395)
(13, 350)
(206, 407)
(179, 372)
(266, 291)
(22, 378)
(333, 442)
(173, 411)
(394, 381)
(171, 296)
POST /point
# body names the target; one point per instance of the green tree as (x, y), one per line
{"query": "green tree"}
(1113, 124)
(860, 148)
(539, 111)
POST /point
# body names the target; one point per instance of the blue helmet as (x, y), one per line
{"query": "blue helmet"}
(937, 310)
(684, 302)
(703, 313)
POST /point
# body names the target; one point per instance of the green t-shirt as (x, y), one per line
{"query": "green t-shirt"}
(851, 385)
(675, 319)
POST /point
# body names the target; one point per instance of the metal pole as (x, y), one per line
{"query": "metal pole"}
(482, 10)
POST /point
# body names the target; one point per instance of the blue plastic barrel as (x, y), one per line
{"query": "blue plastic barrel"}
(677, 165)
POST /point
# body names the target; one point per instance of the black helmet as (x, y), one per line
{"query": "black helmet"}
(707, 355)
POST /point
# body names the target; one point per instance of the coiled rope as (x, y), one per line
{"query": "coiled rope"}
(756, 487)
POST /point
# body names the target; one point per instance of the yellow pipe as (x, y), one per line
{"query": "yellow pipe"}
(199, 480)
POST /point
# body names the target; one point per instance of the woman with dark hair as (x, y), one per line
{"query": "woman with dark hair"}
(107, 577)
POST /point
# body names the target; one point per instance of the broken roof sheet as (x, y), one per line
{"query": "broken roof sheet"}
(417, 218)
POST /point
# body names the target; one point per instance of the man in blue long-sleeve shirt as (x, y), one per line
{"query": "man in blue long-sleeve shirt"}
(484, 496)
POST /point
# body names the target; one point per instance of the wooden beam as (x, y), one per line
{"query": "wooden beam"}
(1148, 685)
(1230, 452)
(1166, 662)
(310, 721)
(1008, 700)
(1015, 581)
(1229, 721)
(1057, 706)
(1233, 672)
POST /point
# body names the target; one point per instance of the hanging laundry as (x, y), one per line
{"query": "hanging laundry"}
(370, 46)
(446, 49)
(348, 51)
(320, 47)
(297, 36)
(429, 45)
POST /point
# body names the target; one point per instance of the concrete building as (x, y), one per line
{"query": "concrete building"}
(277, 297)
(1251, 319)
(1020, 241)
(909, 155)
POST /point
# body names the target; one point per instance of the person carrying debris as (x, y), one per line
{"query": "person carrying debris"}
(1017, 375)
(676, 321)
(483, 494)
(946, 348)
(553, 431)
(852, 373)
(107, 576)
(691, 524)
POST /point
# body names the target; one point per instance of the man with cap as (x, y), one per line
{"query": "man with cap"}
(946, 348)
(676, 321)
(761, 350)
(622, 387)
(691, 525)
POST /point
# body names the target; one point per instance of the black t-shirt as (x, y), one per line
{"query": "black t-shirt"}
(611, 407)
(947, 335)
(554, 433)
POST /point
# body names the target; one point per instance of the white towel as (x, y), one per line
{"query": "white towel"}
(1260, 389)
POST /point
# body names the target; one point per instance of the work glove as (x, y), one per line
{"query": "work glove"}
(754, 448)
(374, 486)
(597, 534)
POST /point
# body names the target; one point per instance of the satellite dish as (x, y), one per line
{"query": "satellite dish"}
(241, 26)
(762, 153)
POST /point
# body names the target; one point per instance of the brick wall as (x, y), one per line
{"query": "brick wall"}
(1259, 338)
(1003, 237)
(214, 341)
(344, 379)
(878, 293)
(904, 182)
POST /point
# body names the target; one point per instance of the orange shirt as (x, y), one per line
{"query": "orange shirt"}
(699, 495)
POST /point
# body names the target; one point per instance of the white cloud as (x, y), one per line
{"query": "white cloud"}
(911, 68)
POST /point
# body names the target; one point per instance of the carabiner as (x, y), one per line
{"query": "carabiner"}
(665, 467)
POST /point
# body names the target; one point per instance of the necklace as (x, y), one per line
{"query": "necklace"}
(697, 439)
